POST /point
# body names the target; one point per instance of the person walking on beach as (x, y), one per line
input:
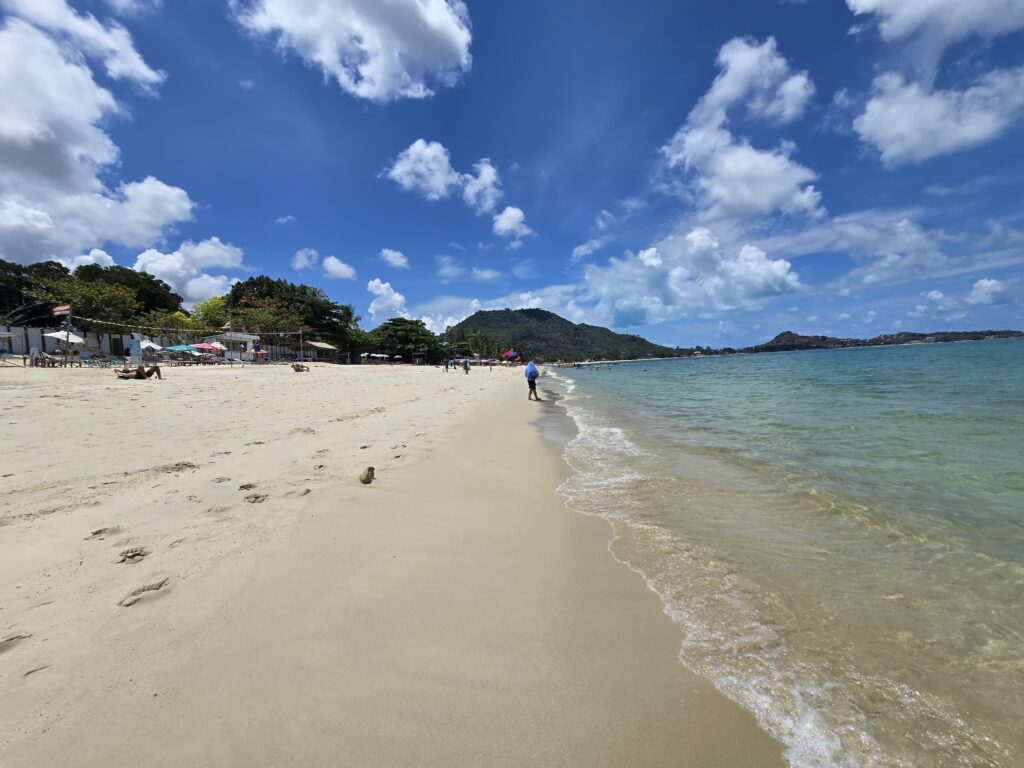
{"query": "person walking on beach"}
(465, 366)
(531, 381)
(446, 366)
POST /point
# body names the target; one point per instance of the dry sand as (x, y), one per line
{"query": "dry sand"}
(453, 613)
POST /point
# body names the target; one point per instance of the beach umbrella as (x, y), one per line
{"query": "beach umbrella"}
(181, 348)
(147, 344)
(510, 354)
(218, 345)
(66, 336)
(203, 345)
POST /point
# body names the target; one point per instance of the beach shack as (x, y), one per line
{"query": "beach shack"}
(238, 346)
(319, 351)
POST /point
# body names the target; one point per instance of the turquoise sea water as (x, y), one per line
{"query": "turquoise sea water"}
(839, 536)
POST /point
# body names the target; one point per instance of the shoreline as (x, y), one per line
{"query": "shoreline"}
(453, 612)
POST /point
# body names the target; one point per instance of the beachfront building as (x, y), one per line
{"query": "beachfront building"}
(239, 346)
(319, 351)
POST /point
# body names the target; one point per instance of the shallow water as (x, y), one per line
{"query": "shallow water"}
(839, 536)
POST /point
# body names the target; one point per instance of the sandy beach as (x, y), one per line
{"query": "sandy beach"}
(192, 574)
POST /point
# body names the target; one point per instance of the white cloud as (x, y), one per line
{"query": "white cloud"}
(649, 257)
(845, 316)
(111, 43)
(685, 275)
(485, 274)
(909, 123)
(483, 190)
(304, 258)
(387, 302)
(246, 85)
(374, 50)
(133, 7)
(288, 219)
(95, 256)
(335, 267)
(941, 301)
(444, 311)
(590, 246)
(425, 167)
(448, 268)
(944, 20)
(394, 258)
(511, 223)
(987, 291)
(54, 154)
(184, 269)
(729, 176)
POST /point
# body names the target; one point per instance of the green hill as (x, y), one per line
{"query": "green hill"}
(545, 335)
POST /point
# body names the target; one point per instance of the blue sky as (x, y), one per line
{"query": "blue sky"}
(696, 172)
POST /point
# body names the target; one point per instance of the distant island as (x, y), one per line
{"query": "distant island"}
(547, 336)
(787, 341)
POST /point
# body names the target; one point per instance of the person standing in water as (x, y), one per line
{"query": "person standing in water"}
(531, 381)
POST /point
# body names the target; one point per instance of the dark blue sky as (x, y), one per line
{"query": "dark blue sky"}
(696, 172)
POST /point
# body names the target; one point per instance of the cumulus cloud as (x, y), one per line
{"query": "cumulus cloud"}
(729, 176)
(445, 311)
(685, 275)
(304, 258)
(484, 274)
(287, 219)
(110, 43)
(54, 152)
(95, 256)
(425, 167)
(373, 50)
(185, 268)
(987, 291)
(511, 223)
(945, 21)
(387, 302)
(394, 258)
(907, 122)
(482, 191)
(335, 267)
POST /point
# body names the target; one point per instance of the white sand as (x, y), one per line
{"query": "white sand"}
(451, 613)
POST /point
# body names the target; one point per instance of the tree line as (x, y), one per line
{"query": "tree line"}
(117, 299)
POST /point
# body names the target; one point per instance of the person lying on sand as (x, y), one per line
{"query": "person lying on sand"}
(139, 373)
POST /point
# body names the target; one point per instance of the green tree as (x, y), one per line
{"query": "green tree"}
(310, 307)
(211, 313)
(96, 301)
(402, 336)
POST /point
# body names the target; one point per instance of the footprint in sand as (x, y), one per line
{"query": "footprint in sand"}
(256, 498)
(12, 640)
(246, 486)
(101, 533)
(221, 479)
(142, 592)
(133, 555)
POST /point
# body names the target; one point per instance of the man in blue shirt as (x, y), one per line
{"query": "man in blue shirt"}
(531, 380)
